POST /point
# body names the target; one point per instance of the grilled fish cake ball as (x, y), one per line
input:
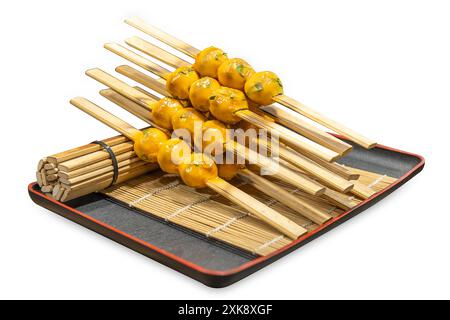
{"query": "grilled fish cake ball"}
(179, 82)
(225, 102)
(233, 73)
(172, 153)
(163, 111)
(200, 92)
(198, 170)
(208, 61)
(186, 119)
(148, 142)
(262, 87)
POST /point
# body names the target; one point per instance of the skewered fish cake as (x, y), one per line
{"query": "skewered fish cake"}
(179, 82)
(200, 92)
(233, 73)
(208, 61)
(263, 86)
(225, 102)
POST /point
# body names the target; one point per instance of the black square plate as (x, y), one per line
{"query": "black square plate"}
(211, 262)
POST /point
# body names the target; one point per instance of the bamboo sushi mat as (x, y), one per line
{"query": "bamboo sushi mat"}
(205, 212)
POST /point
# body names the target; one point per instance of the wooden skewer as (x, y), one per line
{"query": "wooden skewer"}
(336, 168)
(132, 107)
(289, 137)
(122, 88)
(306, 129)
(255, 207)
(138, 59)
(156, 52)
(285, 197)
(282, 99)
(358, 189)
(162, 36)
(313, 169)
(281, 172)
(118, 85)
(159, 85)
(286, 135)
(325, 121)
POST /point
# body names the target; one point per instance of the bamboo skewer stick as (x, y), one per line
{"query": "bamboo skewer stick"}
(358, 188)
(156, 52)
(158, 86)
(282, 99)
(288, 136)
(309, 131)
(256, 208)
(163, 37)
(285, 197)
(335, 168)
(315, 170)
(121, 87)
(325, 121)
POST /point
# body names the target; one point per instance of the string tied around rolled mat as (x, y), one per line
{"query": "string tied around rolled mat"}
(113, 158)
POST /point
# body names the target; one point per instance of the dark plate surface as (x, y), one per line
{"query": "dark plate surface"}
(212, 262)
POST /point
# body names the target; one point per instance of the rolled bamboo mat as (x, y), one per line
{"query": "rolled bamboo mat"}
(203, 211)
(89, 168)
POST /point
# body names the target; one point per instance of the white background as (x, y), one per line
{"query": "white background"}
(382, 67)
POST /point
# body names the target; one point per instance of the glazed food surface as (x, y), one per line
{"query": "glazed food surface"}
(262, 87)
(228, 171)
(164, 110)
(148, 142)
(208, 61)
(172, 153)
(179, 82)
(214, 136)
(233, 73)
(225, 102)
(187, 118)
(198, 170)
(200, 92)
